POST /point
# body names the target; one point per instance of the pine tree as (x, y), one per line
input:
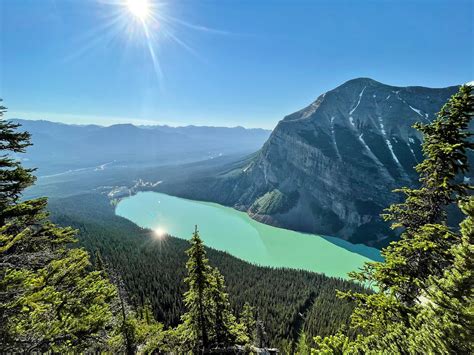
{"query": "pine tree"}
(261, 334)
(209, 321)
(447, 321)
(302, 348)
(14, 177)
(428, 267)
(139, 333)
(226, 330)
(198, 318)
(423, 247)
(49, 300)
(124, 333)
(248, 322)
(99, 264)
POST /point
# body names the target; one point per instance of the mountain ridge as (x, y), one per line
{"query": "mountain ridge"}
(165, 126)
(58, 146)
(330, 167)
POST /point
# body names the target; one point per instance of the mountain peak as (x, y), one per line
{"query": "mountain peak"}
(329, 168)
(362, 79)
(361, 82)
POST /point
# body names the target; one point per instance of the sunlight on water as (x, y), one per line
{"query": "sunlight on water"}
(159, 232)
(226, 229)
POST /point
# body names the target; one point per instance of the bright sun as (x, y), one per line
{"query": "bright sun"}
(160, 233)
(139, 8)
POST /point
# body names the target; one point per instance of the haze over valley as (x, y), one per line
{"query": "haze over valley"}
(61, 147)
(327, 169)
(236, 177)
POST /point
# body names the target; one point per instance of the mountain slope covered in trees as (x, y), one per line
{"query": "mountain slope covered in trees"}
(52, 299)
(154, 269)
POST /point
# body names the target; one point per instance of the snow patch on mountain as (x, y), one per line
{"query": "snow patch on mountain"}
(416, 110)
(389, 144)
(371, 153)
(390, 147)
(358, 102)
(333, 135)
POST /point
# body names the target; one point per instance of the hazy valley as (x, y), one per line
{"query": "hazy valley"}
(236, 177)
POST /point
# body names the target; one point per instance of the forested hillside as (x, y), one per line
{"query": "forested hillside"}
(236, 177)
(146, 292)
(287, 301)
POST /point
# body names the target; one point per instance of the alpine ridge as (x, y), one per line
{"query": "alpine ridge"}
(330, 168)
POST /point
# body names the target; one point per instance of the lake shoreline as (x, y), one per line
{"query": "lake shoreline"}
(226, 229)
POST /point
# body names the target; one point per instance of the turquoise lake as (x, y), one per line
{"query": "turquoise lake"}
(229, 230)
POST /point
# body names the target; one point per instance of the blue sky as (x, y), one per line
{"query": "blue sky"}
(222, 62)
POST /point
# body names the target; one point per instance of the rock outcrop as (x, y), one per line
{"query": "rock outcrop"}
(330, 168)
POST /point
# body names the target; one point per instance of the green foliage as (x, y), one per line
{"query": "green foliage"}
(208, 322)
(197, 299)
(226, 329)
(154, 270)
(422, 250)
(274, 202)
(425, 300)
(140, 333)
(62, 304)
(49, 298)
(99, 264)
(248, 322)
(302, 348)
(447, 322)
(13, 176)
(445, 142)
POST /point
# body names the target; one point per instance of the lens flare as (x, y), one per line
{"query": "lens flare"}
(146, 25)
(139, 8)
(160, 233)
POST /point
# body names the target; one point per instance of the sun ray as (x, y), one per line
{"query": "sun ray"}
(140, 22)
(151, 49)
(139, 8)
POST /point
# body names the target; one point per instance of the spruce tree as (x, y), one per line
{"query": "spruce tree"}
(447, 321)
(140, 333)
(14, 178)
(248, 322)
(198, 318)
(226, 330)
(209, 321)
(49, 299)
(302, 347)
(429, 266)
(424, 244)
(99, 264)
(261, 334)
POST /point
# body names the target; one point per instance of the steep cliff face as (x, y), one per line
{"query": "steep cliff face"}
(330, 167)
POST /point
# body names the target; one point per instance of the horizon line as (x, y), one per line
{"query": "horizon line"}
(16, 115)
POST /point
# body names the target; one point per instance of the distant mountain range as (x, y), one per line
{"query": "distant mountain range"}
(58, 147)
(330, 168)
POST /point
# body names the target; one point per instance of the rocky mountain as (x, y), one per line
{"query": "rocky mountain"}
(58, 147)
(330, 167)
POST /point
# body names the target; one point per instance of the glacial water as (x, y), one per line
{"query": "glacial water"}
(229, 230)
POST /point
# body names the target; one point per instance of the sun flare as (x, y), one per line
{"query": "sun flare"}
(139, 8)
(160, 233)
